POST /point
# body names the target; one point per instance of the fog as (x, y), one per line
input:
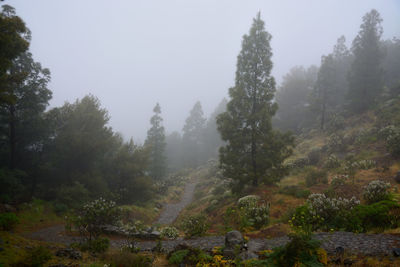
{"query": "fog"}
(132, 54)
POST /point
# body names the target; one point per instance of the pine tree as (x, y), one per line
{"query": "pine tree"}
(156, 141)
(192, 137)
(254, 151)
(365, 77)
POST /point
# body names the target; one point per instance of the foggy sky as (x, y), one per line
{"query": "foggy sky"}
(132, 54)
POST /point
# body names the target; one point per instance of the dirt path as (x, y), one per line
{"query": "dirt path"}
(171, 211)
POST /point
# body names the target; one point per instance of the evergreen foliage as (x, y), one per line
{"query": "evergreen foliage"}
(156, 141)
(366, 72)
(192, 138)
(254, 151)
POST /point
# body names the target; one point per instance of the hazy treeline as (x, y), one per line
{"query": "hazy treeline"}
(348, 81)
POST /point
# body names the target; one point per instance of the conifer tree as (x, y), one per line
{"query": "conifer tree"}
(254, 152)
(156, 141)
(192, 137)
(365, 77)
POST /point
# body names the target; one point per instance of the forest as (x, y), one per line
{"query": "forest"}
(301, 172)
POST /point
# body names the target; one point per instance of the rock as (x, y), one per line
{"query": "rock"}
(397, 177)
(247, 255)
(396, 252)
(233, 238)
(114, 230)
(69, 253)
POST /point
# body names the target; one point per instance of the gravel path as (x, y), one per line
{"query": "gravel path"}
(171, 211)
(366, 244)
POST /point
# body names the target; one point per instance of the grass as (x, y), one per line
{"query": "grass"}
(35, 215)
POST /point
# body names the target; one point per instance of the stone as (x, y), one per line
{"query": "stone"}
(397, 177)
(339, 251)
(114, 230)
(233, 238)
(396, 252)
(69, 253)
(148, 235)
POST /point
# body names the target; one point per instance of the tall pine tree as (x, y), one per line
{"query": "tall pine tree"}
(365, 77)
(254, 151)
(156, 141)
(192, 137)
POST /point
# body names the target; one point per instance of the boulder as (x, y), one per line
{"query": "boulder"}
(69, 253)
(233, 244)
(114, 230)
(397, 177)
(148, 235)
(233, 238)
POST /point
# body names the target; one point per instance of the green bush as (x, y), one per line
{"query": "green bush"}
(12, 187)
(125, 258)
(99, 245)
(336, 143)
(195, 225)
(39, 256)
(314, 177)
(339, 180)
(314, 156)
(376, 191)
(383, 215)
(253, 211)
(72, 195)
(302, 250)
(332, 162)
(169, 232)
(94, 215)
(8, 220)
(295, 190)
(178, 256)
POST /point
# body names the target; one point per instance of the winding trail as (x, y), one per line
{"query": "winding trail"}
(171, 211)
(366, 244)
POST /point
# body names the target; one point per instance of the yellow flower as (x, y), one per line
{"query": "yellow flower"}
(322, 256)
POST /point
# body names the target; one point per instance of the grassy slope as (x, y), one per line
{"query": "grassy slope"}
(369, 147)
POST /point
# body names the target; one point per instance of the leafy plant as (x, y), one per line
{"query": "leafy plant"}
(169, 232)
(39, 256)
(98, 245)
(93, 216)
(8, 221)
(332, 162)
(314, 177)
(195, 225)
(253, 212)
(376, 191)
(178, 256)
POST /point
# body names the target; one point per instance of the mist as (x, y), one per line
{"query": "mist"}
(132, 54)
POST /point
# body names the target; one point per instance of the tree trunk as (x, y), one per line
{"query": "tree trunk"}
(12, 137)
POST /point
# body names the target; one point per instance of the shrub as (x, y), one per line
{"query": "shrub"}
(125, 258)
(314, 155)
(169, 232)
(98, 245)
(302, 250)
(392, 136)
(195, 225)
(12, 187)
(376, 191)
(73, 195)
(95, 215)
(314, 177)
(8, 221)
(332, 162)
(252, 212)
(295, 190)
(364, 164)
(178, 256)
(336, 143)
(336, 123)
(39, 256)
(384, 214)
(339, 180)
